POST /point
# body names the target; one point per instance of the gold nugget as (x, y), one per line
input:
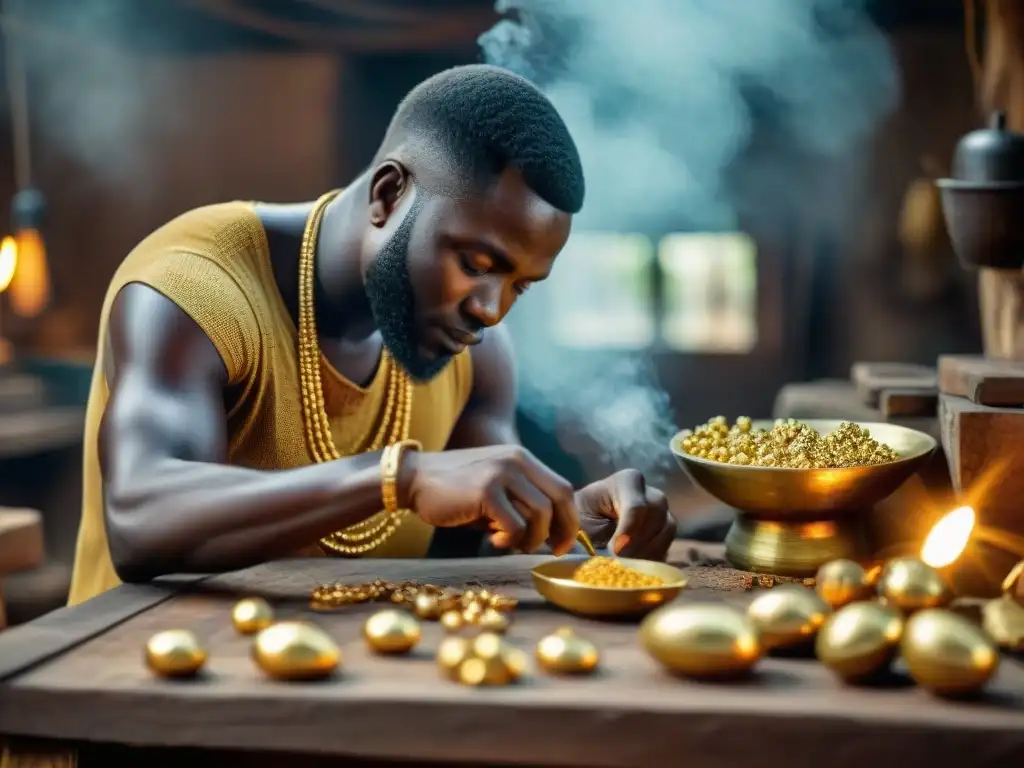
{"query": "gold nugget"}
(295, 650)
(488, 659)
(610, 573)
(947, 654)
(175, 653)
(790, 444)
(566, 653)
(391, 632)
(452, 620)
(251, 615)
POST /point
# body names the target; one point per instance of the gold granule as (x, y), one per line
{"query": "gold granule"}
(789, 444)
(609, 572)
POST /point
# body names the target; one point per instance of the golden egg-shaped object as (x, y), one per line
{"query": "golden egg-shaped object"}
(251, 615)
(471, 613)
(788, 616)
(451, 652)
(296, 650)
(175, 653)
(1003, 621)
(493, 621)
(391, 631)
(567, 654)
(452, 620)
(841, 582)
(910, 584)
(427, 606)
(946, 653)
(702, 641)
(859, 640)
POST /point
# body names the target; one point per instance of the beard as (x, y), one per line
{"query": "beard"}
(393, 302)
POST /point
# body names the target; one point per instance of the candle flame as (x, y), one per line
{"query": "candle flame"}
(8, 261)
(948, 538)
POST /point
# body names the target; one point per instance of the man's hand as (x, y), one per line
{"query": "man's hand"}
(623, 512)
(503, 487)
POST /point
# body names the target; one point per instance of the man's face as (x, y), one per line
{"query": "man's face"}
(452, 268)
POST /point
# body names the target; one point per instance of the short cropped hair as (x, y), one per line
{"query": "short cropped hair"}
(463, 127)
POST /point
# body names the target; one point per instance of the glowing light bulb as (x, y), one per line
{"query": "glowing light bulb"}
(30, 287)
(8, 261)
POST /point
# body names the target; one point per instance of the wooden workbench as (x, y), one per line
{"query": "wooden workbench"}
(77, 675)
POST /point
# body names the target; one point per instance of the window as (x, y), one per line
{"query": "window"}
(710, 292)
(606, 292)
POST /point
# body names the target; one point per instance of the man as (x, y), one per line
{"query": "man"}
(254, 359)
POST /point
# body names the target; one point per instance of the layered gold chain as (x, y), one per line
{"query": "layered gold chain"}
(396, 413)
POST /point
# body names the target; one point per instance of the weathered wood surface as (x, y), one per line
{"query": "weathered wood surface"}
(982, 380)
(793, 712)
(873, 380)
(21, 546)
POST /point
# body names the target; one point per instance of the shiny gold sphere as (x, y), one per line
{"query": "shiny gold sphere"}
(451, 652)
(787, 616)
(567, 654)
(1003, 621)
(251, 615)
(859, 640)
(948, 654)
(452, 620)
(910, 584)
(175, 653)
(296, 650)
(493, 621)
(427, 606)
(391, 631)
(702, 641)
(841, 582)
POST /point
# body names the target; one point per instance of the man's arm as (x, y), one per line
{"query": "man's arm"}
(171, 504)
(621, 510)
(490, 415)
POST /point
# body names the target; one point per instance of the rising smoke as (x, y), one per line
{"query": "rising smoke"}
(93, 102)
(664, 99)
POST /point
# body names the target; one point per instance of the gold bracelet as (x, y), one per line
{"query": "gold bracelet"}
(390, 466)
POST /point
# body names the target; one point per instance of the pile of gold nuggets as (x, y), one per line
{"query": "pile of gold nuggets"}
(789, 444)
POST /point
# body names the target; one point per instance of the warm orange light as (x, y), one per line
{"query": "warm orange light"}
(30, 286)
(948, 538)
(8, 261)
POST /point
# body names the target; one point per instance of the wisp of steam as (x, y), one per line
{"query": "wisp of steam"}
(663, 98)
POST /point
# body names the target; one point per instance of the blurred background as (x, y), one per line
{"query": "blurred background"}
(760, 208)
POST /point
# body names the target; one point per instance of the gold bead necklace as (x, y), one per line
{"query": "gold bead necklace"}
(396, 413)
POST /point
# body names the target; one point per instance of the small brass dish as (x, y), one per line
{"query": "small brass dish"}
(554, 581)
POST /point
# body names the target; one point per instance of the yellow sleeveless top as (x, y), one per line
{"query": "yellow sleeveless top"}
(214, 263)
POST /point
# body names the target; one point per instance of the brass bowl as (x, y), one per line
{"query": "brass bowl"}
(792, 521)
(553, 580)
